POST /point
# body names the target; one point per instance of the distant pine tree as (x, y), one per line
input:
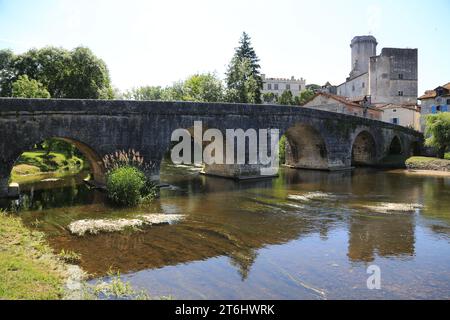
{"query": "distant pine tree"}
(238, 82)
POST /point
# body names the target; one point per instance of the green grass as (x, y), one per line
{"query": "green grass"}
(32, 165)
(447, 156)
(28, 268)
(428, 163)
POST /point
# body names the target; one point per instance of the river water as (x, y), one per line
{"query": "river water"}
(304, 235)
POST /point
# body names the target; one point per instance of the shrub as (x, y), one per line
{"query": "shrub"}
(438, 132)
(126, 182)
(125, 185)
(122, 158)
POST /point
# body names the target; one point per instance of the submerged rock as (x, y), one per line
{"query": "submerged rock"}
(388, 207)
(309, 196)
(50, 180)
(95, 226)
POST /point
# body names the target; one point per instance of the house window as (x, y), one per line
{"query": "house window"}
(276, 86)
(300, 88)
(395, 110)
(363, 85)
(438, 108)
(400, 93)
(269, 86)
(394, 120)
(353, 88)
(448, 101)
(400, 76)
(288, 87)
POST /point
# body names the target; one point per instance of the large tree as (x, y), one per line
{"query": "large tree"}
(65, 74)
(304, 97)
(243, 77)
(28, 88)
(7, 73)
(244, 87)
(286, 98)
(438, 132)
(144, 93)
(203, 87)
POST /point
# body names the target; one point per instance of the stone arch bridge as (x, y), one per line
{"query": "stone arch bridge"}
(316, 139)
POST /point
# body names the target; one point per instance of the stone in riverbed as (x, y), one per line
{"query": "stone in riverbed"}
(95, 226)
(388, 207)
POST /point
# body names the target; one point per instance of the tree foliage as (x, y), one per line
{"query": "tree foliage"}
(313, 87)
(438, 132)
(286, 98)
(124, 186)
(144, 93)
(243, 78)
(203, 87)
(270, 97)
(7, 73)
(28, 88)
(304, 97)
(199, 87)
(65, 74)
(242, 86)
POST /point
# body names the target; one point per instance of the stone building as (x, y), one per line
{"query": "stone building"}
(390, 77)
(339, 104)
(329, 88)
(434, 101)
(403, 115)
(279, 85)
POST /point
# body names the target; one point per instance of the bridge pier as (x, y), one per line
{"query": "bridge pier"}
(4, 187)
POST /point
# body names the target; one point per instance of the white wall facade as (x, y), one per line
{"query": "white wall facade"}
(355, 88)
(279, 85)
(406, 117)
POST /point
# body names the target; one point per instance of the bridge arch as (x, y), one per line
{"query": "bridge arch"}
(414, 149)
(364, 149)
(95, 160)
(306, 148)
(395, 147)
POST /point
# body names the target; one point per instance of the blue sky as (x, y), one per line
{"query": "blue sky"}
(158, 42)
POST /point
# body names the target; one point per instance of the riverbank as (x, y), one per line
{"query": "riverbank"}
(31, 270)
(424, 164)
(28, 267)
(37, 165)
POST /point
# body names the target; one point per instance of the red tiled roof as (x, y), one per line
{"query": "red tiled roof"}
(342, 99)
(431, 94)
(413, 107)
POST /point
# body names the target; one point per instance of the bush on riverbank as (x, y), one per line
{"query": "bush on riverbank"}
(428, 163)
(438, 132)
(128, 186)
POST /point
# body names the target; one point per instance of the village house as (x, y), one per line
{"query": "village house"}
(334, 103)
(278, 85)
(404, 115)
(434, 101)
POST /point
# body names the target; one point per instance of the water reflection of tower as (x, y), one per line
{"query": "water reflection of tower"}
(386, 236)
